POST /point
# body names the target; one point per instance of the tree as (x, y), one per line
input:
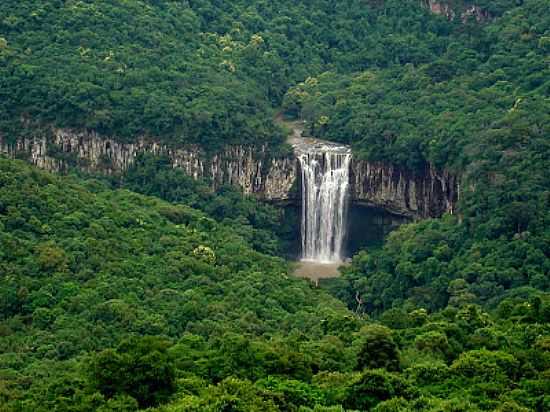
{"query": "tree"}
(376, 386)
(377, 349)
(483, 365)
(138, 367)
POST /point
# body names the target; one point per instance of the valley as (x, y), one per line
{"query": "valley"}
(291, 206)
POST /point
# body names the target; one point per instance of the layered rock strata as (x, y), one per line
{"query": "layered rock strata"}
(248, 167)
(416, 194)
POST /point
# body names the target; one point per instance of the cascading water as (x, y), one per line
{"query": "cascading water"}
(325, 181)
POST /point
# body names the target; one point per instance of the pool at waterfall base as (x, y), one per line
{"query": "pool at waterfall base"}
(316, 270)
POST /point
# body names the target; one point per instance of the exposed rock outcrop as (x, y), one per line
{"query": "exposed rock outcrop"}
(450, 11)
(249, 167)
(428, 193)
(425, 193)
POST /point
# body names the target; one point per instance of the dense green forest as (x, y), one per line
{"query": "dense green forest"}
(268, 229)
(150, 291)
(436, 107)
(198, 70)
(113, 301)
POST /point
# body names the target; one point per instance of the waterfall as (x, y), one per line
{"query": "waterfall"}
(325, 181)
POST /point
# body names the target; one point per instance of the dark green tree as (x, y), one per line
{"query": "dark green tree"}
(377, 349)
(138, 367)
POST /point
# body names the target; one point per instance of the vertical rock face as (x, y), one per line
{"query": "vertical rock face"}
(250, 168)
(445, 8)
(440, 8)
(419, 194)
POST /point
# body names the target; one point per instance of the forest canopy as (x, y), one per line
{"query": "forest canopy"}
(150, 291)
(204, 71)
(115, 301)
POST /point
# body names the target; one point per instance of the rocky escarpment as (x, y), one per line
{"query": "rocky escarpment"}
(451, 11)
(424, 193)
(250, 168)
(420, 194)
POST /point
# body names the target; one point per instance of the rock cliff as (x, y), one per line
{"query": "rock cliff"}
(428, 193)
(249, 167)
(466, 10)
(420, 194)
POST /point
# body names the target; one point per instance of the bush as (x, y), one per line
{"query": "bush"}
(485, 365)
(428, 373)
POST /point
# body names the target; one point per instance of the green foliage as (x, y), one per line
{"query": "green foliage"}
(485, 365)
(132, 302)
(378, 350)
(134, 68)
(375, 386)
(86, 271)
(470, 109)
(266, 228)
(428, 373)
(113, 301)
(198, 71)
(139, 368)
(292, 394)
(433, 341)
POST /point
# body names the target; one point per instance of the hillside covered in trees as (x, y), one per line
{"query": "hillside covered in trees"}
(150, 291)
(115, 301)
(207, 71)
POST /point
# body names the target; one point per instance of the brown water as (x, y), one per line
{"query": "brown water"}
(310, 269)
(315, 270)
